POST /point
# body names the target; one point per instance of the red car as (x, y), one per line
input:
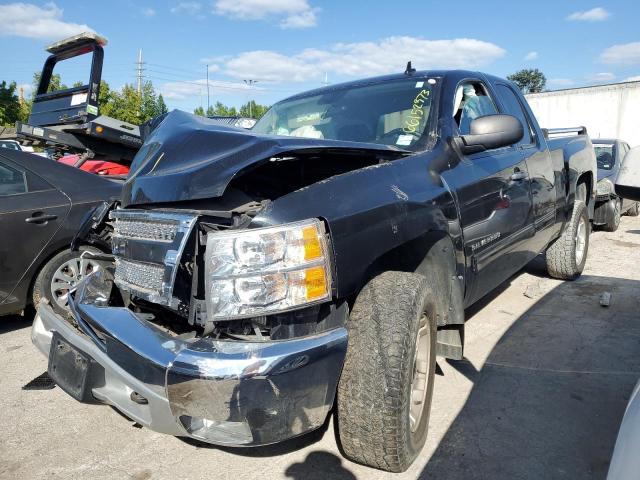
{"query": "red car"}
(100, 167)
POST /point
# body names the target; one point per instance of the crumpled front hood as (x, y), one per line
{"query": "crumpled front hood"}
(188, 157)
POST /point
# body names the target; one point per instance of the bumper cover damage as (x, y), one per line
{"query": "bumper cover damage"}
(236, 393)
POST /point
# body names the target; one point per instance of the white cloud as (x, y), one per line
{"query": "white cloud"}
(561, 82)
(635, 78)
(148, 12)
(531, 56)
(292, 13)
(362, 59)
(190, 8)
(597, 14)
(195, 88)
(601, 77)
(32, 21)
(625, 54)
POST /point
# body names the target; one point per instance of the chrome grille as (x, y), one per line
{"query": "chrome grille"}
(148, 245)
(139, 276)
(146, 230)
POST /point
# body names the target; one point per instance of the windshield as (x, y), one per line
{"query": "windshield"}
(390, 113)
(605, 156)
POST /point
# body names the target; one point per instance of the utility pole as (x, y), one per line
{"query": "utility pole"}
(207, 89)
(139, 70)
(250, 83)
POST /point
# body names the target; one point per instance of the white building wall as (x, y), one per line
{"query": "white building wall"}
(608, 111)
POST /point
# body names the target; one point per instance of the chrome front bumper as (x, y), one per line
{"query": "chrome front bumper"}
(221, 392)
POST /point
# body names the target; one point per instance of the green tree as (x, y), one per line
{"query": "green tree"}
(252, 109)
(529, 80)
(125, 105)
(54, 85)
(199, 111)
(148, 102)
(161, 107)
(10, 110)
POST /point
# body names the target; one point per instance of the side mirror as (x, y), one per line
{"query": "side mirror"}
(491, 131)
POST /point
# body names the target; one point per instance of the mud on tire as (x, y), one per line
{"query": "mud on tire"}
(381, 373)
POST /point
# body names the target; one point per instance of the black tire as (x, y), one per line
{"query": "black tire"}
(376, 386)
(42, 287)
(613, 219)
(561, 258)
(634, 211)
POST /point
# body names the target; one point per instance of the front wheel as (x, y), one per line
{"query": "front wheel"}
(567, 255)
(386, 387)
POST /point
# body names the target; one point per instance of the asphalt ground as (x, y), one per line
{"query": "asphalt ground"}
(540, 394)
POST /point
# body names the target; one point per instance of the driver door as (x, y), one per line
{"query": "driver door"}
(494, 198)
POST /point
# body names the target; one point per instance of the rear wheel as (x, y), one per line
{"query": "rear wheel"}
(60, 274)
(613, 219)
(567, 255)
(386, 387)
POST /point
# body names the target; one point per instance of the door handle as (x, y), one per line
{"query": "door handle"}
(40, 218)
(519, 175)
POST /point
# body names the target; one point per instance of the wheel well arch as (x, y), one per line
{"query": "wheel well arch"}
(586, 178)
(434, 256)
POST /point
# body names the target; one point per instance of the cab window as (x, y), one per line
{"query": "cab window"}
(472, 100)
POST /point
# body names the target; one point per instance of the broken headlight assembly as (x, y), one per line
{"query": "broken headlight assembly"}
(266, 270)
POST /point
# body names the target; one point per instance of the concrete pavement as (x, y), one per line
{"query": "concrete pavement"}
(540, 394)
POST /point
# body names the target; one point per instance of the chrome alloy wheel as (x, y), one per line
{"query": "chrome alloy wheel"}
(420, 373)
(581, 240)
(68, 275)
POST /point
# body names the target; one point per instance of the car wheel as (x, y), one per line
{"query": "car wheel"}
(567, 255)
(386, 387)
(634, 211)
(613, 218)
(60, 274)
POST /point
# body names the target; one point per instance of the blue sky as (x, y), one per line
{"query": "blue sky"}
(293, 45)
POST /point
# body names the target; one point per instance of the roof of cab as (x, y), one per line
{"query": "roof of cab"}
(395, 76)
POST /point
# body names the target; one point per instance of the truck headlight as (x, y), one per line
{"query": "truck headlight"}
(266, 270)
(604, 187)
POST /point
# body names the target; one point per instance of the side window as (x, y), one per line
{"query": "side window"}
(12, 181)
(514, 107)
(472, 101)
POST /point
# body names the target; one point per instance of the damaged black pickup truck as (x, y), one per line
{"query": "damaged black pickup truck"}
(323, 259)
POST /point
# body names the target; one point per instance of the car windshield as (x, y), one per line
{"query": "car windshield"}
(605, 156)
(9, 145)
(391, 113)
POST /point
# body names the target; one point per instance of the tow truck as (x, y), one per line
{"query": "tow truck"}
(68, 121)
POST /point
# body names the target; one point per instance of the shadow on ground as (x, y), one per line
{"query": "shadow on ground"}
(9, 323)
(548, 401)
